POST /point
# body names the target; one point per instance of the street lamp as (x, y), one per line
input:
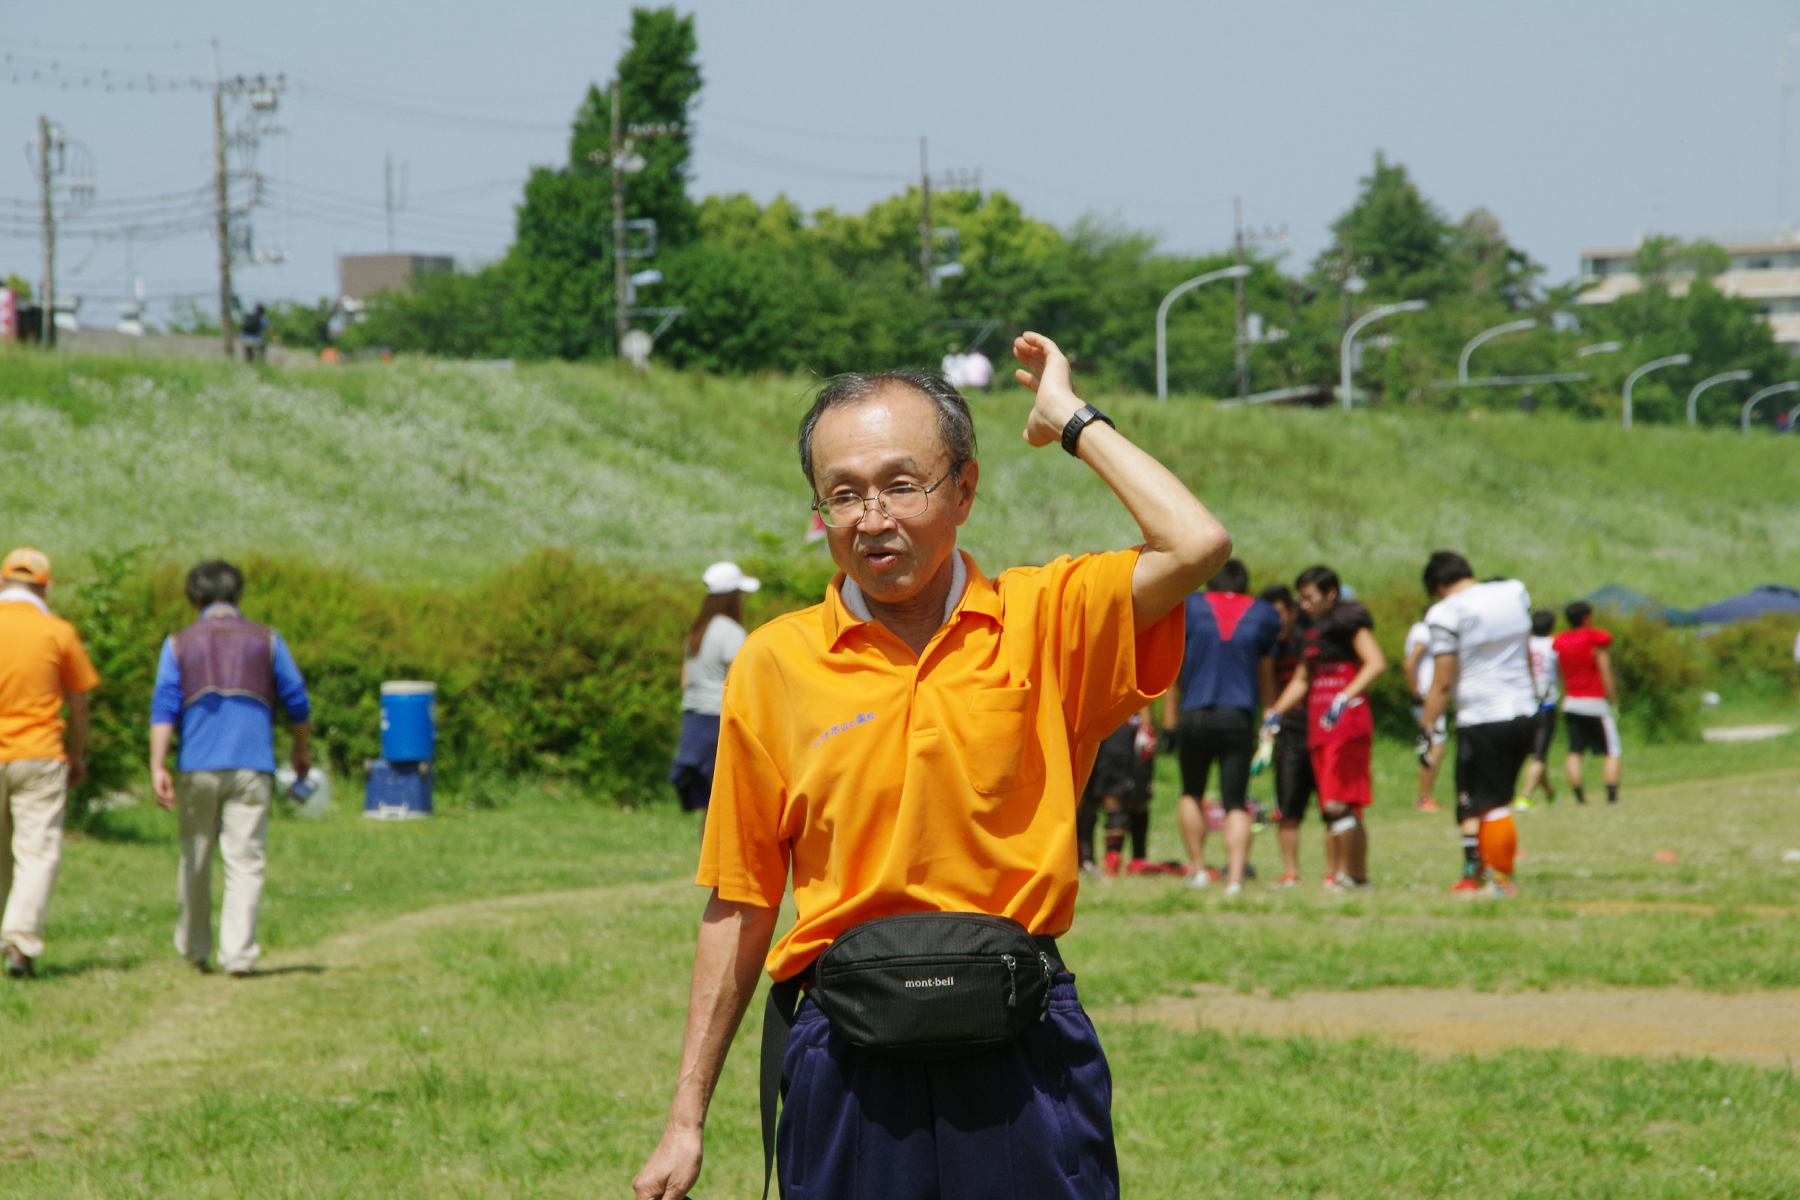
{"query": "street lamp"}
(1727, 377)
(1674, 360)
(1462, 363)
(1374, 314)
(1744, 421)
(1599, 348)
(1162, 321)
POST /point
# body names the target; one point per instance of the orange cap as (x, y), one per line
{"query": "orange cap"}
(26, 565)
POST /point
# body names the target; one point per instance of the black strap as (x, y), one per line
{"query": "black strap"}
(778, 1021)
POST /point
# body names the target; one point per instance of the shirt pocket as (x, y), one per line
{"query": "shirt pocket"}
(997, 737)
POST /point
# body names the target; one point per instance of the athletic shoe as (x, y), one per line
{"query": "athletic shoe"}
(1232, 890)
(1522, 804)
(1550, 799)
(1200, 880)
(1089, 869)
(1137, 866)
(1347, 884)
(1112, 864)
(1331, 884)
(1427, 805)
(1288, 879)
(1499, 889)
(1466, 886)
(18, 966)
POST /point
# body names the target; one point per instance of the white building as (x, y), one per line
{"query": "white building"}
(1766, 271)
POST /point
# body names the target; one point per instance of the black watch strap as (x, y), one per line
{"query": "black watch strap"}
(1086, 415)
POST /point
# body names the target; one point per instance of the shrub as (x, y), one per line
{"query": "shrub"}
(1657, 672)
(1758, 654)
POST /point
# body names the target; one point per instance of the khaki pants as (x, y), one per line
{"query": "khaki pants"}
(229, 809)
(33, 792)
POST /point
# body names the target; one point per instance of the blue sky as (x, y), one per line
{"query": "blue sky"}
(1577, 124)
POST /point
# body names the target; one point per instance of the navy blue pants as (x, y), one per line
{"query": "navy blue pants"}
(1030, 1121)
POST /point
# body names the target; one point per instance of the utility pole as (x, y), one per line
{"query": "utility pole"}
(1237, 287)
(222, 195)
(924, 216)
(47, 302)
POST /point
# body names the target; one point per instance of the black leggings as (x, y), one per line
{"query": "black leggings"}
(1223, 735)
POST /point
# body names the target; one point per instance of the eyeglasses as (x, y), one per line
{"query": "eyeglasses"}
(840, 510)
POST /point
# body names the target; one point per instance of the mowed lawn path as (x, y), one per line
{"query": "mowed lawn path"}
(524, 1044)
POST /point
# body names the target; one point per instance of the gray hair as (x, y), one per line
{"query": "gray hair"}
(956, 428)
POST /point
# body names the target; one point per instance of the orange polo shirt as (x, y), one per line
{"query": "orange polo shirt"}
(893, 783)
(40, 659)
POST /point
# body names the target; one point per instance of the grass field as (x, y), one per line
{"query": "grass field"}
(441, 471)
(489, 1004)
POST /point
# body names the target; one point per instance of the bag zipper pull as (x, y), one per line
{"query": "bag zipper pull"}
(1012, 996)
(1049, 974)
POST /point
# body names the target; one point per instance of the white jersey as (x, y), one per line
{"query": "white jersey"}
(1425, 669)
(1546, 671)
(1487, 627)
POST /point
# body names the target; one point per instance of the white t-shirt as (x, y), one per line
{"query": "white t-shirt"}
(705, 691)
(1487, 627)
(1426, 668)
(1546, 673)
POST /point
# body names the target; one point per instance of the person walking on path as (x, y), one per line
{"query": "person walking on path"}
(1478, 636)
(912, 749)
(220, 680)
(1546, 679)
(42, 668)
(1339, 663)
(713, 641)
(1584, 653)
(1226, 677)
(1418, 665)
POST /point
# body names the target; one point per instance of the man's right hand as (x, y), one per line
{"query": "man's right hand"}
(162, 783)
(673, 1168)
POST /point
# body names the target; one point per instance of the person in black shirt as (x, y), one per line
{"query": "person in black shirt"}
(1294, 784)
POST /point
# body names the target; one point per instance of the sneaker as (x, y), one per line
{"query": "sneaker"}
(1499, 889)
(1288, 879)
(1233, 889)
(1466, 886)
(1090, 869)
(1522, 804)
(1550, 800)
(1112, 864)
(1200, 880)
(1427, 805)
(1137, 866)
(1331, 884)
(1347, 884)
(17, 965)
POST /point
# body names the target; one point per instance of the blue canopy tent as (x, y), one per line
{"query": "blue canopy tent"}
(1747, 606)
(1616, 597)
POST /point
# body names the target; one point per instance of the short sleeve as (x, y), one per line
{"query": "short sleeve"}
(1108, 670)
(1442, 637)
(78, 674)
(1602, 639)
(744, 854)
(1270, 630)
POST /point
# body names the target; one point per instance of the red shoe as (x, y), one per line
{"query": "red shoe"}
(1112, 864)
(1466, 886)
(1138, 866)
(1427, 805)
(1288, 879)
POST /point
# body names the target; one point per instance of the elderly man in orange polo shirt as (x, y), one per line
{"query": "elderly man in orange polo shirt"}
(42, 666)
(910, 750)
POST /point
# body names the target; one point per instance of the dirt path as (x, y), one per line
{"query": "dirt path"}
(1753, 1027)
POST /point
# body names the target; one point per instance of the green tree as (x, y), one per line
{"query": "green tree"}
(1399, 240)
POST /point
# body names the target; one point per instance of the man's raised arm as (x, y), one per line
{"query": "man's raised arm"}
(1184, 544)
(734, 939)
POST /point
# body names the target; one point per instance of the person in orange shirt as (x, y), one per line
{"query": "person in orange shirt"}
(915, 745)
(42, 667)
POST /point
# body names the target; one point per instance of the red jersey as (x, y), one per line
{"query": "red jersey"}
(1329, 651)
(1580, 668)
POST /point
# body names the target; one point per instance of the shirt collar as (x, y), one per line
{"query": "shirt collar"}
(846, 607)
(23, 595)
(220, 608)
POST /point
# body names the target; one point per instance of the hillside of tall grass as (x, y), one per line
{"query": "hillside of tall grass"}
(427, 472)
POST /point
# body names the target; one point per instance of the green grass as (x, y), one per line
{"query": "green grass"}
(489, 1004)
(440, 471)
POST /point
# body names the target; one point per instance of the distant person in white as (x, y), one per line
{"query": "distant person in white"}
(1419, 665)
(1546, 680)
(972, 370)
(713, 641)
(1478, 636)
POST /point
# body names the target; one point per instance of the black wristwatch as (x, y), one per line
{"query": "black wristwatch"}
(1086, 415)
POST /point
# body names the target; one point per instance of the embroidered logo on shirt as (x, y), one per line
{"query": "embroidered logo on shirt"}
(845, 727)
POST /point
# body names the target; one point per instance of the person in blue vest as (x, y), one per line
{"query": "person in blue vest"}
(219, 680)
(1227, 677)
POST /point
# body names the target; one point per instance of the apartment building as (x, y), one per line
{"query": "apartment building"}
(1766, 270)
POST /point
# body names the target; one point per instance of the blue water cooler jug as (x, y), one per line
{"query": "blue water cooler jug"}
(399, 785)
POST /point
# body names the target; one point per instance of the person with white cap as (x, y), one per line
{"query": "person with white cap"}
(713, 640)
(42, 667)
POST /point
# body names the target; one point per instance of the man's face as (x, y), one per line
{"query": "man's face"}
(890, 439)
(1315, 603)
(1286, 612)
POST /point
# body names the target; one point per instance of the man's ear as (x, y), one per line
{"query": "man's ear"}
(965, 483)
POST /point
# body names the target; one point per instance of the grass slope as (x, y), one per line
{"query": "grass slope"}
(438, 471)
(490, 1003)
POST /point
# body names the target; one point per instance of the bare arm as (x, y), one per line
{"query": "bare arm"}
(1437, 701)
(734, 939)
(300, 753)
(1603, 659)
(1374, 662)
(161, 782)
(1265, 681)
(76, 736)
(1295, 692)
(1184, 544)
